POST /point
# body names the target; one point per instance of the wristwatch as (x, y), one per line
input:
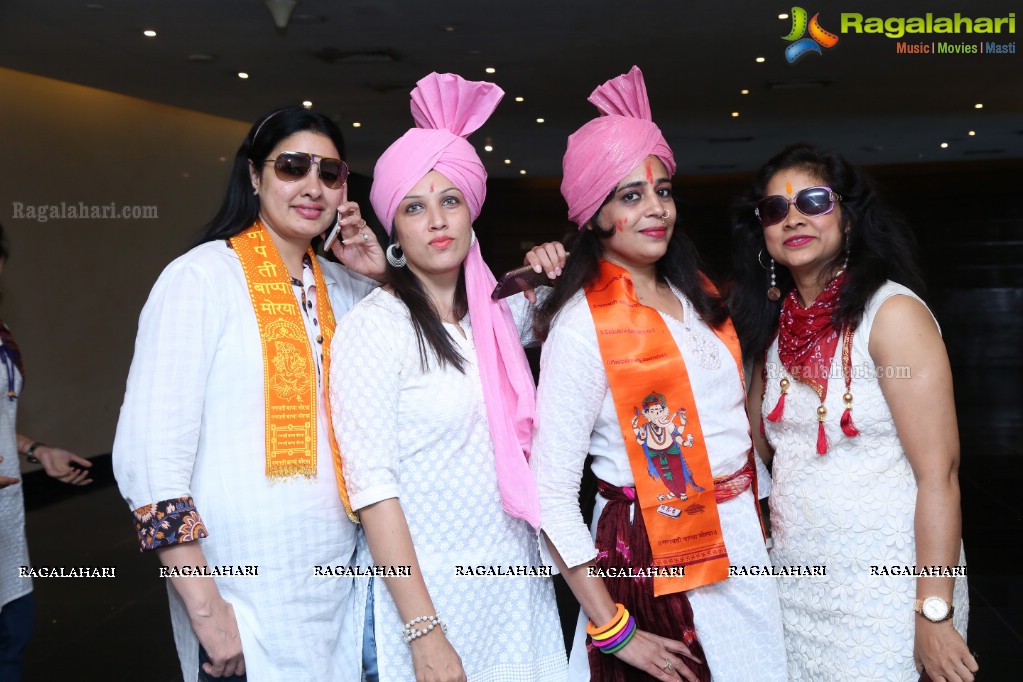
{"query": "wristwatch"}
(934, 609)
(30, 454)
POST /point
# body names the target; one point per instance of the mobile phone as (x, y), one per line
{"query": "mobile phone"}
(335, 230)
(519, 279)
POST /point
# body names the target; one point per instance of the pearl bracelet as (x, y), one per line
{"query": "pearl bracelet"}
(409, 633)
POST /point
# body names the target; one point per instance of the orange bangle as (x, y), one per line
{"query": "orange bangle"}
(613, 632)
(593, 630)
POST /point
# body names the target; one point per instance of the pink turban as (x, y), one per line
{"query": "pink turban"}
(608, 148)
(447, 108)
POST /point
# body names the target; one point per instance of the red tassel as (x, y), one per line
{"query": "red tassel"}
(776, 413)
(762, 432)
(822, 442)
(848, 428)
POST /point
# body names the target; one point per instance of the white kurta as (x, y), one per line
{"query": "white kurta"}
(423, 437)
(738, 620)
(192, 424)
(850, 509)
(13, 546)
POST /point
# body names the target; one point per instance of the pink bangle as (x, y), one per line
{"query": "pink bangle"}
(620, 637)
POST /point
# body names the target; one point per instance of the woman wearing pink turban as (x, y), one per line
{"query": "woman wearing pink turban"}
(641, 370)
(434, 403)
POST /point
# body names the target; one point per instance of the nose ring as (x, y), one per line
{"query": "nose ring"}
(664, 218)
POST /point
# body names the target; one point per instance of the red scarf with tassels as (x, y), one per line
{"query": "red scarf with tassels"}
(806, 346)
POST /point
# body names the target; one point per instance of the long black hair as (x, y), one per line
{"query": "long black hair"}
(426, 319)
(680, 265)
(240, 206)
(880, 247)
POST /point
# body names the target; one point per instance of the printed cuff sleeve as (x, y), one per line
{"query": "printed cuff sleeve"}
(169, 522)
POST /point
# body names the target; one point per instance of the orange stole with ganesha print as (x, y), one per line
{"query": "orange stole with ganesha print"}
(657, 413)
(289, 369)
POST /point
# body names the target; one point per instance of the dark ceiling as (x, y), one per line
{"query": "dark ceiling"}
(356, 61)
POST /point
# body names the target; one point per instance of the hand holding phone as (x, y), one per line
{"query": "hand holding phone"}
(332, 233)
(517, 280)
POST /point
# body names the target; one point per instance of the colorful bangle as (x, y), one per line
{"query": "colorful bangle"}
(625, 640)
(620, 615)
(612, 644)
(613, 632)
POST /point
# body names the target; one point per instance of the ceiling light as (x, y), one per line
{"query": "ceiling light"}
(539, 120)
(735, 114)
(281, 11)
(449, 29)
(149, 33)
(972, 133)
(356, 124)
(307, 104)
(783, 16)
(490, 69)
(944, 145)
(243, 75)
(520, 99)
(744, 92)
(507, 161)
(522, 172)
(978, 105)
(488, 148)
(760, 60)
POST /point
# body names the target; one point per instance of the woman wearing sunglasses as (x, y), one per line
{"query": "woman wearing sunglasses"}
(433, 402)
(224, 450)
(853, 392)
(641, 371)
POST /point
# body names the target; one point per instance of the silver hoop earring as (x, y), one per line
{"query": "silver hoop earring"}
(397, 260)
(472, 242)
(760, 259)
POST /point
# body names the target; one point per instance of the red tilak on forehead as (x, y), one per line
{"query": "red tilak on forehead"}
(788, 187)
(431, 188)
(649, 173)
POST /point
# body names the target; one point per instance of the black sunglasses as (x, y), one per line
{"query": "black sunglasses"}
(810, 201)
(293, 166)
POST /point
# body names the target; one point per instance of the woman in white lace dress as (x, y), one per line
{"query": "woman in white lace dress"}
(434, 402)
(855, 395)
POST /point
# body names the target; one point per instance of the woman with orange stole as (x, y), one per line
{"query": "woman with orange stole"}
(224, 449)
(639, 351)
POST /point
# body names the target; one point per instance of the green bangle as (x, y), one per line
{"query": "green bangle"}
(30, 454)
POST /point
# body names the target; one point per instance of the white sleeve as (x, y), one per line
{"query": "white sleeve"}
(365, 386)
(158, 430)
(522, 313)
(572, 388)
(345, 287)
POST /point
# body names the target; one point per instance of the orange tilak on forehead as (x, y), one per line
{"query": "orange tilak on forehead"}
(788, 187)
(649, 173)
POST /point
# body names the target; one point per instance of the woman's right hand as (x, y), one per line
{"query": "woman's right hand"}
(652, 654)
(435, 660)
(217, 631)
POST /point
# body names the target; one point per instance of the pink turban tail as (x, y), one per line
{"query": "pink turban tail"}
(446, 109)
(608, 148)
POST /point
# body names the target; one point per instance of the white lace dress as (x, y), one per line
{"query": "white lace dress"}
(738, 620)
(850, 510)
(423, 438)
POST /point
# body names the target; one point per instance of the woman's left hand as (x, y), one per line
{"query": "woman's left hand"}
(941, 651)
(357, 247)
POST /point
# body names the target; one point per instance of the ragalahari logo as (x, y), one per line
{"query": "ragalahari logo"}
(818, 36)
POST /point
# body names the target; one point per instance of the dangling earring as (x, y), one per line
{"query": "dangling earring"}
(472, 242)
(395, 256)
(845, 263)
(773, 292)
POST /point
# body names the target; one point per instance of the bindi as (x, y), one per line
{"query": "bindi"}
(788, 188)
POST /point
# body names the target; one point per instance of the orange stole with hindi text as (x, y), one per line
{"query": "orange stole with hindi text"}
(289, 368)
(657, 413)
